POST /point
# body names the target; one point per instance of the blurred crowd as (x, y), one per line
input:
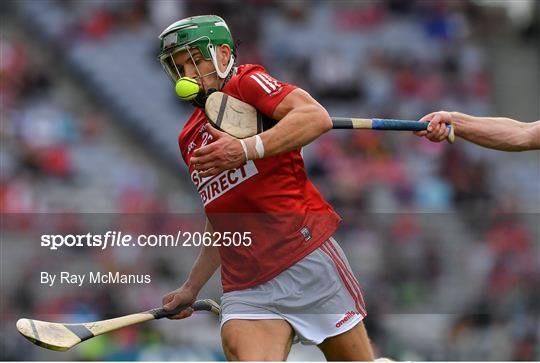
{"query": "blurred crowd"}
(425, 227)
(49, 148)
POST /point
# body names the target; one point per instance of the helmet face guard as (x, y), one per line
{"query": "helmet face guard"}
(167, 61)
(203, 32)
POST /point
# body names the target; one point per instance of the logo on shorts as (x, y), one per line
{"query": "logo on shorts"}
(348, 316)
(306, 233)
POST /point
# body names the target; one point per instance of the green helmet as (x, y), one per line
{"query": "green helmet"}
(203, 32)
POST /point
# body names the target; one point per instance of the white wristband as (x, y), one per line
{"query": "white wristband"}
(243, 143)
(259, 146)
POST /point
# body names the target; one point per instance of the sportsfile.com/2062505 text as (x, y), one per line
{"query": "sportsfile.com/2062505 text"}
(120, 239)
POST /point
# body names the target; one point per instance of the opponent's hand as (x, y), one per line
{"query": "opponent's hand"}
(437, 130)
(224, 153)
(180, 296)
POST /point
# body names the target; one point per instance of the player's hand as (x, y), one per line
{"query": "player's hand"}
(180, 296)
(224, 153)
(437, 130)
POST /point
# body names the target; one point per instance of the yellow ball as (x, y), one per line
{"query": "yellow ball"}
(187, 88)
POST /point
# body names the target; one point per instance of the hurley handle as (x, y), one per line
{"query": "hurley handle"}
(385, 124)
(199, 305)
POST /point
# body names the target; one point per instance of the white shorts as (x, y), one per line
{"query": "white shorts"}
(319, 297)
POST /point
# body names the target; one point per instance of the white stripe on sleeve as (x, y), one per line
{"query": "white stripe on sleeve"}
(262, 78)
(260, 83)
(269, 79)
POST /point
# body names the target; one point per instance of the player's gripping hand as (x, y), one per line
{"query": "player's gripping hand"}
(437, 130)
(181, 296)
(225, 152)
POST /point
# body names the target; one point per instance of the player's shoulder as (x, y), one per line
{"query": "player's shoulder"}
(250, 80)
(246, 69)
(249, 71)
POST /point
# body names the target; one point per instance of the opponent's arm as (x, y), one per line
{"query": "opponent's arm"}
(204, 267)
(499, 133)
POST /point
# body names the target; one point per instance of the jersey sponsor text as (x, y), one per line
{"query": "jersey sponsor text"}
(213, 187)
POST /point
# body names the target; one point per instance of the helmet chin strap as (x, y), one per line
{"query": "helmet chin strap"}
(213, 55)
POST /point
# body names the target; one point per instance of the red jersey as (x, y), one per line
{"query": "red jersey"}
(271, 198)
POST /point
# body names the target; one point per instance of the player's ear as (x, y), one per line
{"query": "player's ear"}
(224, 54)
